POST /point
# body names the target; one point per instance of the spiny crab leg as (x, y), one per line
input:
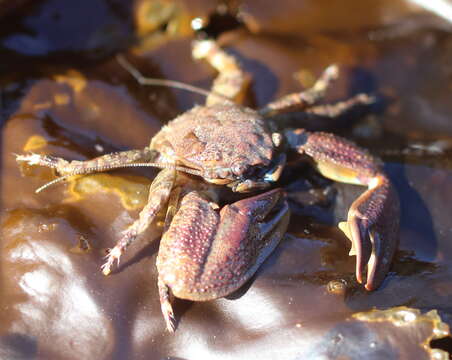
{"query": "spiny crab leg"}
(339, 109)
(207, 254)
(231, 81)
(75, 167)
(304, 99)
(159, 194)
(373, 219)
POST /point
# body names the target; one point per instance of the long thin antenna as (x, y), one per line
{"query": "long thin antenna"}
(164, 82)
(57, 180)
(162, 166)
(119, 166)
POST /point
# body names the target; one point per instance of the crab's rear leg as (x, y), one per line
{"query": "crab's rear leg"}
(303, 99)
(373, 219)
(307, 100)
(338, 109)
(159, 194)
(207, 254)
(231, 82)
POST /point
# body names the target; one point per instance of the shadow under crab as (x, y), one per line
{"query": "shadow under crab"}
(210, 249)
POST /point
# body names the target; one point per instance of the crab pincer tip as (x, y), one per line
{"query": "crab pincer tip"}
(369, 287)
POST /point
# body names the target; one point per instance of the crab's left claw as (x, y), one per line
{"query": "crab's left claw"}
(373, 219)
(373, 227)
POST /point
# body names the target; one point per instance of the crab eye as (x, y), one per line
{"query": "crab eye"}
(238, 169)
(222, 173)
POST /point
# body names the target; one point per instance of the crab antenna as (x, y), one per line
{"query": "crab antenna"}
(104, 168)
(164, 166)
(50, 183)
(163, 82)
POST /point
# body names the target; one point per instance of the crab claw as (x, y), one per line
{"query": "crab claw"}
(219, 250)
(373, 227)
(206, 254)
(373, 219)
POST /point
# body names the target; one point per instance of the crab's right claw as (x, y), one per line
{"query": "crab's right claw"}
(373, 227)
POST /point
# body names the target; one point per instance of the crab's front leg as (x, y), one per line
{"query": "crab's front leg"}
(159, 193)
(207, 254)
(101, 163)
(373, 219)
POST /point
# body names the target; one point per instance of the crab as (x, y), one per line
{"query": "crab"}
(209, 247)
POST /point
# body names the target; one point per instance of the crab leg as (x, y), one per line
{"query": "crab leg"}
(206, 253)
(231, 82)
(75, 167)
(373, 219)
(340, 108)
(304, 99)
(159, 194)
